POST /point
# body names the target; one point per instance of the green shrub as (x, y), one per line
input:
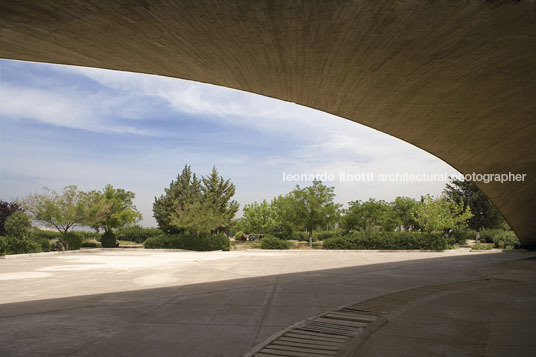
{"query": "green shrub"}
(317, 245)
(67, 241)
(340, 243)
(18, 225)
(44, 243)
(71, 240)
(323, 235)
(205, 242)
(238, 235)
(500, 238)
(108, 240)
(38, 234)
(302, 237)
(299, 236)
(3, 246)
(275, 243)
(453, 243)
(163, 241)
(287, 235)
(461, 235)
(388, 241)
(507, 240)
(482, 246)
(91, 244)
(21, 245)
(89, 235)
(488, 235)
(56, 245)
(137, 234)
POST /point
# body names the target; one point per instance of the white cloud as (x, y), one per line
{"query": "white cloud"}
(70, 109)
(323, 142)
(216, 103)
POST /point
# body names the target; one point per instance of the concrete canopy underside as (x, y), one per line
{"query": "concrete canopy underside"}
(455, 78)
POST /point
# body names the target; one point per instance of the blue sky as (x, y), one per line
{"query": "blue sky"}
(64, 125)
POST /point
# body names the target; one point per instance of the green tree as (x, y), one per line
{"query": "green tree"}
(283, 214)
(259, 217)
(18, 234)
(369, 216)
(441, 215)
(194, 205)
(390, 220)
(19, 225)
(312, 207)
(63, 210)
(182, 192)
(6, 210)
(485, 215)
(404, 208)
(217, 196)
(113, 208)
(197, 218)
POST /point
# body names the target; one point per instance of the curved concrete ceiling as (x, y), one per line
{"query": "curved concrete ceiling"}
(456, 78)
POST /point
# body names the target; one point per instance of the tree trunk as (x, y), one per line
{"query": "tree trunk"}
(311, 238)
(478, 236)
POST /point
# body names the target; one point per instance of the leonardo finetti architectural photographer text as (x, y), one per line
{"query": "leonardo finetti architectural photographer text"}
(368, 176)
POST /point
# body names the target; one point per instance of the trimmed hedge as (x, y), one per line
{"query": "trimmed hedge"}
(89, 235)
(91, 244)
(137, 234)
(72, 240)
(275, 243)
(388, 241)
(206, 242)
(44, 243)
(108, 240)
(20, 246)
(39, 234)
(323, 235)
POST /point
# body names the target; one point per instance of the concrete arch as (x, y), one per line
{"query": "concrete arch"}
(457, 79)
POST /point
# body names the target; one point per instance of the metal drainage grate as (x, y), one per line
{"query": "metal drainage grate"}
(342, 332)
(321, 336)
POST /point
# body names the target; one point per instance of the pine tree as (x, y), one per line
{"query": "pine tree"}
(196, 206)
(182, 192)
(217, 194)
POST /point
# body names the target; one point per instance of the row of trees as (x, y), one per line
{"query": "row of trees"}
(406, 214)
(305, 209)
(102, 210)
(192, 204)
(462, 205)
(199, 205)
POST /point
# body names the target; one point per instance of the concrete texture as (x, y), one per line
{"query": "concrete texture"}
(138, 303)
(492, 320)
(455, 78)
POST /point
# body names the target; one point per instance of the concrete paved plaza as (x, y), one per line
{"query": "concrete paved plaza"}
(143, 302)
